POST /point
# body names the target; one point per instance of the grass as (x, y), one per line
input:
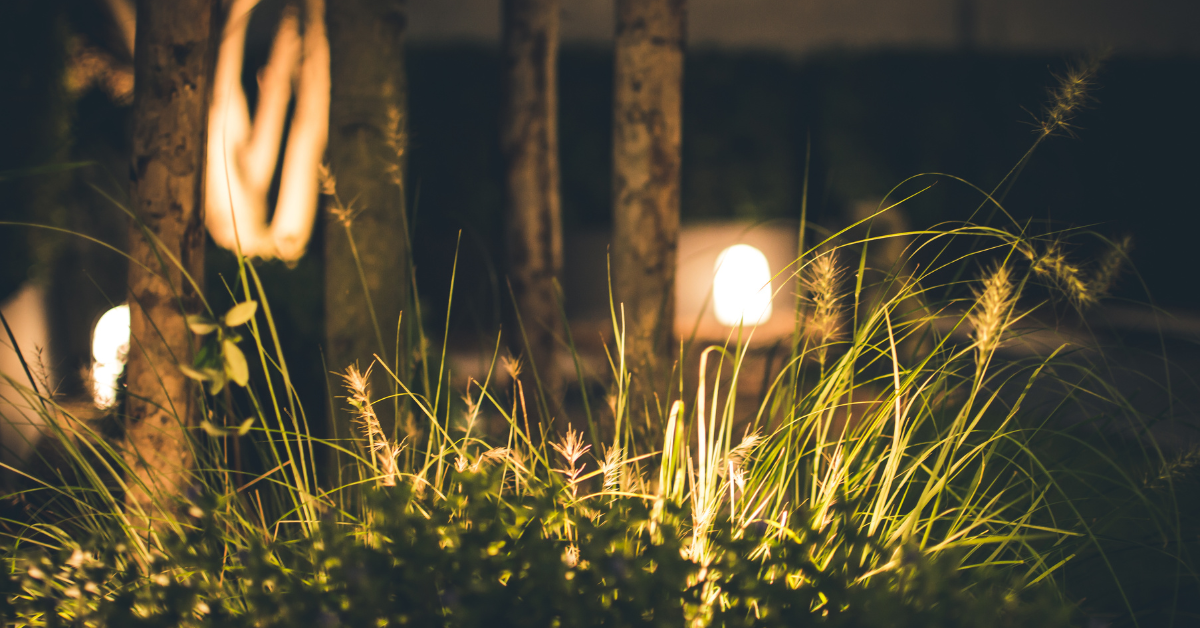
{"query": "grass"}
(898, 467)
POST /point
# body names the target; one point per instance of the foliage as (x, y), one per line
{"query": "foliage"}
(473, 560)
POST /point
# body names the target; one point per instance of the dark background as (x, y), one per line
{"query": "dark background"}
(871, 117)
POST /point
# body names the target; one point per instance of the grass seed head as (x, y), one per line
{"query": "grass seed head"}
(493, 456)
(1109, 268)
(1069, 278)
(358, 383)
(327, 180)
(511, 365)
(823, 282)
(735, 460)
(571, 448)
(993, 304)
(396, 140)
(612, 466)
(1070, 95)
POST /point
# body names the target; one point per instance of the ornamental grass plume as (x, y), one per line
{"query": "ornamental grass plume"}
(1053, 264)
(613, 469)
(382, 451)
(1071, 95)
(823, 281)
(396, 139)
(509, 458)
(496, 455)
(735, 461)
(993, 308)
(327, 181)
(1109, 268)
(1082, 291)
(571, 448)
(511, 365)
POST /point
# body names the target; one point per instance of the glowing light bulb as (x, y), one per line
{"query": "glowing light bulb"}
(110, 347)
(742, 286)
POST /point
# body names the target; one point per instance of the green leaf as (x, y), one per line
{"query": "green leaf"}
(216, 382)
(209, 355)
(212, 429)
(201, 324)
(240, 313)
(235, 363)
(217, 431)
(192, 373)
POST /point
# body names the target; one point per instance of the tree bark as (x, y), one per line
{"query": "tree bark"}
(368, 133)
(173, 68)
(529, 139)
(647, 131)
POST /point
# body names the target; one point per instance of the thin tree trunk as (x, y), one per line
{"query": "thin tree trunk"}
(529, 138)
(646, 180)
(173, 68)
(367, 277)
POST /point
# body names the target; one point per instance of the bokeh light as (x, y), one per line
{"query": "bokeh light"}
(742, 286)
(110, 347)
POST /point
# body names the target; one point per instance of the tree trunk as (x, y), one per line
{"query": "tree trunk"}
(646, 165)
(529, 139)
(173, 69)
(367, 137)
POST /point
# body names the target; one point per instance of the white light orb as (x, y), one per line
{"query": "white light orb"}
(742, 286)
(110, 348)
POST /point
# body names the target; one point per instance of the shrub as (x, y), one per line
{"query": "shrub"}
(473, 560)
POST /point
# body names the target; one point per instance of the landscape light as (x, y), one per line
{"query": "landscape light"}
(742, 286)
(110, 347)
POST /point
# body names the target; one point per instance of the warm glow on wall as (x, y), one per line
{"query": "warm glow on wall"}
(742, 286)
(110, 347)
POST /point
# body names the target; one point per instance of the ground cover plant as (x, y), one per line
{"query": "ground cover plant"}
(898, 470)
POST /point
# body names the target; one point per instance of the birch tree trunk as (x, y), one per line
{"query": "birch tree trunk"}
(529, 139)
(647, 131)
(367, 229)
(173, 68)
